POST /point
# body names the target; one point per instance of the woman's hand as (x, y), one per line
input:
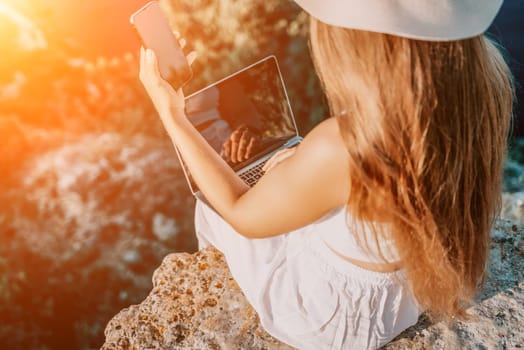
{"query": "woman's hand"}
(278, 157)
(167, 101)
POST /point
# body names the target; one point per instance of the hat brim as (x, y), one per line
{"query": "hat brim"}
(432, 20)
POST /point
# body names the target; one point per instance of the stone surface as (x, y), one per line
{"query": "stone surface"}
(195, 304)
(497, 320)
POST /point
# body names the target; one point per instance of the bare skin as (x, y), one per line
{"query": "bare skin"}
(278, 157)
(318, 168)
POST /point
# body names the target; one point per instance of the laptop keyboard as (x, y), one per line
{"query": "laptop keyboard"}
(252, 175)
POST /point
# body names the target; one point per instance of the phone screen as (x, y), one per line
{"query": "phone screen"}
(156, 34)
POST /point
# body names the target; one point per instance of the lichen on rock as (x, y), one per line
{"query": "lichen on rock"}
(196, 304)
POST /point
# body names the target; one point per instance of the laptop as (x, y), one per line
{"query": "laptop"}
(251, 104)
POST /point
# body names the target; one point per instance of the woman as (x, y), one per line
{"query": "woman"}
(384, 210)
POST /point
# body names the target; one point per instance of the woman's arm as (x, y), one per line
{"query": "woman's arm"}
(293, 194)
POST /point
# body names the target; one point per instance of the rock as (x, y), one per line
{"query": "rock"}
(196, 304)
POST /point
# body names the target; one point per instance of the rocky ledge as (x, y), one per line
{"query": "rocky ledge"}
(196, 304)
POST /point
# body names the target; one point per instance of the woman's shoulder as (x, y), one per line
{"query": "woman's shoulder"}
(326, 139)
(328, 125)
(323, 152)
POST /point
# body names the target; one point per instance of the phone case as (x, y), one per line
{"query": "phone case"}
(155, 33)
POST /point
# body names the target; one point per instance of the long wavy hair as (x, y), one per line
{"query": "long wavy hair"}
(425, 125)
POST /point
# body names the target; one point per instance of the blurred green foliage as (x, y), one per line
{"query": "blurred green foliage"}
(514, 166)
(63, 96)
(516, 150)
(229, 35)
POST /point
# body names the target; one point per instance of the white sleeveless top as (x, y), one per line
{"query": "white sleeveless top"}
(336, 229)
(306, 295)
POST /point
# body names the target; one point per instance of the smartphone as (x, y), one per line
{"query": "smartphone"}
(155, 33)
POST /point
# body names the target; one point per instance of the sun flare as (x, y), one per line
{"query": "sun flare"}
(14, 25)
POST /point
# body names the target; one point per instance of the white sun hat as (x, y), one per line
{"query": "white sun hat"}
(434, 20)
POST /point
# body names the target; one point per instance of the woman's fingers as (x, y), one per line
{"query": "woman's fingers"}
(142, 57)
(146, 62)
(182, 42)
(142, 72)
(151, 69)
(271, 162)
(149, 62)
(153, 63)
(277, 158)
(191, 57)
(162, 94)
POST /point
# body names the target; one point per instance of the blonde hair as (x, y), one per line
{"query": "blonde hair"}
(426, 126)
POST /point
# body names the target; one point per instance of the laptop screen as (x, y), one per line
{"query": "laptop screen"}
(246, 115)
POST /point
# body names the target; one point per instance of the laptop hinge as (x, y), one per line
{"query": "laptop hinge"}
(292, 142)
